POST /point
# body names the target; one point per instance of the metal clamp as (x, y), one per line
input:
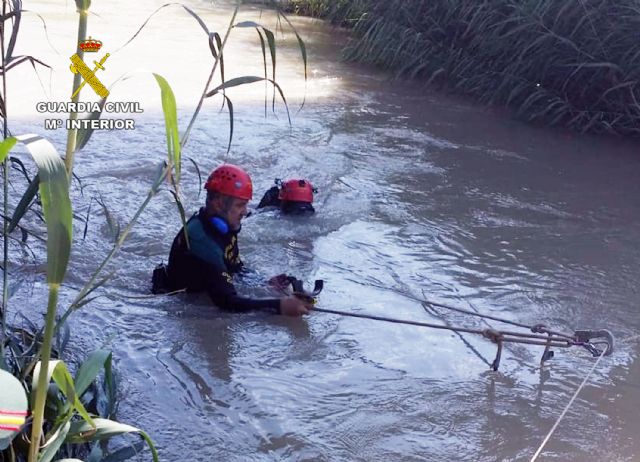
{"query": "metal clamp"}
(548, 353)
(300, 292)
(589, 339)
(496, 337)
(282, 281)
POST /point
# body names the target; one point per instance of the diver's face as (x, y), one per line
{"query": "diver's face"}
(236, 210)
(232, 209)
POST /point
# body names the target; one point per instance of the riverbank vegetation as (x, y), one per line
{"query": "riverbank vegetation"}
(573, 63)
(72, 415)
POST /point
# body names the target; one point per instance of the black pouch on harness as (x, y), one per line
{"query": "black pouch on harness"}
(160, 280)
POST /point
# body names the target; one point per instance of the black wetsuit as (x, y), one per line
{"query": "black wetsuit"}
(208, 264)
(272, 199)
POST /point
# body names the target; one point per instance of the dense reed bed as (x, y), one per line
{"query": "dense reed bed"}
(574, 63)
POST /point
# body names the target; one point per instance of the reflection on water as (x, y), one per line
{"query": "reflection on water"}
(419, 194)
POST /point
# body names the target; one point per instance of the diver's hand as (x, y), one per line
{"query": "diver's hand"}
(293, 306)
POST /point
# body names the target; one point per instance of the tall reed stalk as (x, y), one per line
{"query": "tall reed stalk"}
(56, 205)
(5, 188)
(43, 382)
(83, 13)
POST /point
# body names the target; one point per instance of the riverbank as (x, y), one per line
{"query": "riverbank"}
(571, 64)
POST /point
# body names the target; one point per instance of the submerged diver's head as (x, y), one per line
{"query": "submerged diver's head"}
(229, 190)
(296, 196)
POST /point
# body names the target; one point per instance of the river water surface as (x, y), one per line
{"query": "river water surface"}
(420, 195)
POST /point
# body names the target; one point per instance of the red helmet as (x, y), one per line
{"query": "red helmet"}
(296, 191)
(230, 180)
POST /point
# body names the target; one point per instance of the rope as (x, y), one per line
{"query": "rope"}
(566, 409)
(553, 429)
(495, 336)
(424, 301)
(537, 337)
(537, 328)
(474, 313)
(473, 349)
(398, 321)
(143, 297)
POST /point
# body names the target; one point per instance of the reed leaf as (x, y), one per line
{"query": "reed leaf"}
(195, 165)
(234, 83)
(58, 371)
(215, 45)
(264, 66)
(171, 126)
(112, 223)
(15, 13)
(217, 60)
(15, 61)
(25, 203)
(84, 134)
(90, 369)
(271, 41)
(105, 429)
(144, 24)
(303, 51)
(19, 165)
(230, 106)
(244, 81)
(54, 442)
(6, 146)
(183, 217)
(54, 194)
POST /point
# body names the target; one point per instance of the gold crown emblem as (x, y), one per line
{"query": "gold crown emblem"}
(90, 45)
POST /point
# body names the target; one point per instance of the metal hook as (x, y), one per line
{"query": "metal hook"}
(297, 286)
(496, 362)
(496, 337)
(585, 337)
(548, 352)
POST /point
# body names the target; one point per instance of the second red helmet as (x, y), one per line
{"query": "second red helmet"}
(296, 191)
(230, 180)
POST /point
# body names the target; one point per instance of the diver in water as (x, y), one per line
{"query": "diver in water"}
(205, 256)
(293, 197)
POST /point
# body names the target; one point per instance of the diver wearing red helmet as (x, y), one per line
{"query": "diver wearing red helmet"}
(206, 256)
(293, 196)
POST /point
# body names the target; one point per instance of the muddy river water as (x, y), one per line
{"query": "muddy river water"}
(421, 194)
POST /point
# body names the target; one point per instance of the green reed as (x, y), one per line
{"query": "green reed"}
(574, 63)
